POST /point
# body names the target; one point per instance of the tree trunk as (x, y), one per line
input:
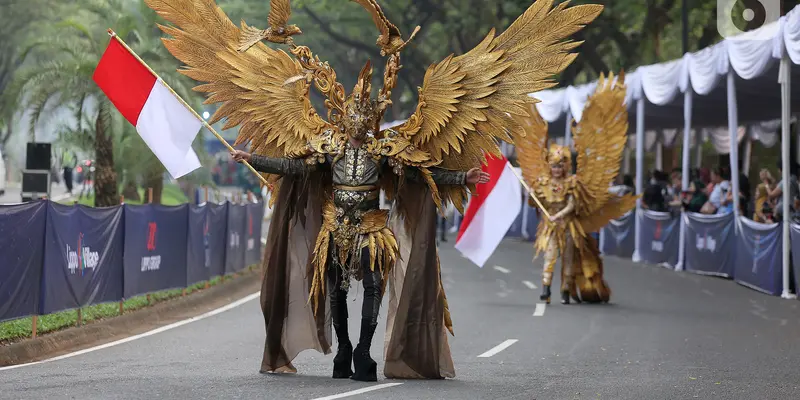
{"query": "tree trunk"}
(155, 180)
(105, 178)
(131, 192)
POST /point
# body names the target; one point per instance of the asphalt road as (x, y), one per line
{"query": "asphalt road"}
(666, 335)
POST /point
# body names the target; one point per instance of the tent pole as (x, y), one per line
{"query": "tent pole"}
(785, 81)
(733, 131)
(685, 170)
(639, 175)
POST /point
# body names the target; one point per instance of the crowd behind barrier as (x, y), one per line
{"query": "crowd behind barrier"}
(56, 257)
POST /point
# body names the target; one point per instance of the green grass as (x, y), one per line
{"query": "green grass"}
(171, 196)
(14, 330)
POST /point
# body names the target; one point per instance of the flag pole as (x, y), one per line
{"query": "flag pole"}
(530, 192)
(185, 104)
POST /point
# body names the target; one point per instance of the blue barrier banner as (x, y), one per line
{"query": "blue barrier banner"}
(217, 238)
(82, 257)
(22, 230)
(710, 241)
(198, 255)
(235, 247)
(255, 219)
(155, 248)
(794, 232)
(759, 256)
(619, 237)
(660, 236)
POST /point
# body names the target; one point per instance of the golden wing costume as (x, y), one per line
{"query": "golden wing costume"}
(580, 203)
(327, 226)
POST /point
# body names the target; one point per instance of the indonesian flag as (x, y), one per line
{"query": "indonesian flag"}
(165, 124)
(490, 213)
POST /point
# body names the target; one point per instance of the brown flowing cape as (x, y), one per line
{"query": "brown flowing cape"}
(416, 344)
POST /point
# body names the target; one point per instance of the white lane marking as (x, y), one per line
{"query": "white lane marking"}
(539, 311)
(164, 328)
(529, 284)
(359, 391)
(708, 292)
(501, 269)
(500, 347)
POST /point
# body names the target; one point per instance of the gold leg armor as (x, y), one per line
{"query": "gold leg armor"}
(568, 266)
(550, 258)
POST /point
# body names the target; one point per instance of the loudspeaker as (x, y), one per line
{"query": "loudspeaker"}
(38, 156)
(35, 184)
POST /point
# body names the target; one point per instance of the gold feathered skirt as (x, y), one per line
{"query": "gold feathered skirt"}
(349, 239)
(587, 266)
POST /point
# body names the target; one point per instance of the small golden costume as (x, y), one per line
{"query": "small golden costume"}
(580, 203)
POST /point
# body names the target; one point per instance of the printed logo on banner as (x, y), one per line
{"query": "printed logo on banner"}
(657, 244)
(234, 241)
(82, 259)
(153, 262)
(251, 243)
(706, 242)
(756, 253)
(207, 245)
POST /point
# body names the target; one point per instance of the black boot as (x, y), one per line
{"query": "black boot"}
(366, 367)
(565, 297)
(545, 293)
(344, 356)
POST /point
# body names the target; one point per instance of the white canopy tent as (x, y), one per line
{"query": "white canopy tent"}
(743, 80)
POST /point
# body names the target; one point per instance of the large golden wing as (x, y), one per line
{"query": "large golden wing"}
(279, 13)
(599, 141)
(531, 145)
(466, 103)
(260, 89)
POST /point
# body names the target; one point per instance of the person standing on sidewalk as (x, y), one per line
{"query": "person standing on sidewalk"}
(68, 161)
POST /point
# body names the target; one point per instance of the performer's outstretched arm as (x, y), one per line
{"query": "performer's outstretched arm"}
(446, 177)
(271, 165)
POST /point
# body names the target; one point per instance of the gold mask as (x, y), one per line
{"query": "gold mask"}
(361, 112)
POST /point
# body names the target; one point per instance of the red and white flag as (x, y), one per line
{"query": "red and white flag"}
(162, 120)
(490, 213)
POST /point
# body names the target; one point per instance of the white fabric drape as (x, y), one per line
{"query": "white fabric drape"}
(702, 71)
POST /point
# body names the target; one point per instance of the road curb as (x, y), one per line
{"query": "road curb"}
(132, 323)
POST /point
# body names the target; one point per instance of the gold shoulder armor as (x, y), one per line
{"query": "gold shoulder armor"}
(399, 149)
(329, 142)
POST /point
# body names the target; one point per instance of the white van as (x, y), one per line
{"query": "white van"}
(2, 174)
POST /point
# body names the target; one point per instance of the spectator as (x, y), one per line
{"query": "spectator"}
(763, 207)
(624, 188)
(694, 199)
(776, 194)
(718, 193)
(726, 192)
(655, 196)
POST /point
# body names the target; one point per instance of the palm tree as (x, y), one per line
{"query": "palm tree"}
(74, 49)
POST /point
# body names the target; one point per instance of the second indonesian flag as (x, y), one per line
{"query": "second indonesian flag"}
(165, 124)
(490, 213)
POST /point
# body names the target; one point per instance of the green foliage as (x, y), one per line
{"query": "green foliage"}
(22, 328)
(172, 196)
